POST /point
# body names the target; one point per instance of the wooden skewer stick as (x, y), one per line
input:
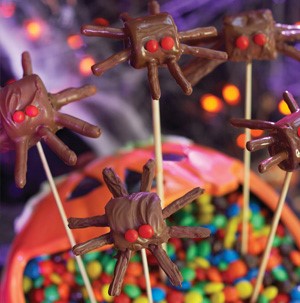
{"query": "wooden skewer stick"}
(271, 236)
(65, 222)
(247, 161)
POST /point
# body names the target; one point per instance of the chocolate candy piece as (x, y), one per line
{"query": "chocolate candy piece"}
(284, 140)
(154, 41)
(127, 214)
(250, 36)
(28, 113)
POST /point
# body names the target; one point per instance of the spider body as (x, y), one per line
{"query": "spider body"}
(283, 142)
(29, 113)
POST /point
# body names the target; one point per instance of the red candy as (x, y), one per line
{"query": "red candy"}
(152, 46)
(242, 42)
(260, 39)
(31, 111)
(167, 43)
(122, 298)
(131, 235)
(18, 116)
(175, 297)
(146, 231)
(46, 267)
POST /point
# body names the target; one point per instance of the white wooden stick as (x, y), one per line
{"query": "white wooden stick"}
(147, 275)
(247, 162)
(65, 222)
(158, 151)
(271, 236)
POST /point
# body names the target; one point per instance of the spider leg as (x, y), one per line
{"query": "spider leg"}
(282, 27)
(153, 7)
(4, 141)
(253, 124)
(272, 161)
(288, 50)
(114, 183)
(179, 77)
(85, 247)
(153, 80)
(26, 64)
(291, 35)
(203, 52)
(166, 264)
(103, 31)
(290, 101)
(21, 162)
(72, 94)
(260, 143)
(119, 272)
(100, 68)
(77, 125)
(198, 33)
(147, 175)
(98, 221)
(188, 232)
(181, 202)
(58, 147)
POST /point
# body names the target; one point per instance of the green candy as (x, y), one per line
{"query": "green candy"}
(91, 256)
(222, 265)
(170, 249)
(132, 291)
(38, 282)
(79, 280)
(51, 293)
(188, 274)
(219, 221)
(135, 258)
(204, 249)
(287, 240)
(191, 253)
(280, 274)
(263, 299)
(258, 221)
(187, 220)
(109, 266)
(199, 287)
(277, 241)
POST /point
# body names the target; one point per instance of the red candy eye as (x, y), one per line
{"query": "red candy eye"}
(260, 39)
(31, 111)
(242, 42)
(298, 131)
(167, 43)
(131, 235)
(18, 116)
(152, 46)
(146, 231)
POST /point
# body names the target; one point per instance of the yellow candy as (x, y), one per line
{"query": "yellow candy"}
(231, 229)
(193, 296)
(71, 265)
(206, 218)
(218, 297)
(94, 269)
(270, 292)
(105, 295)
(141, 299)
(202, 263)
(84, 292)
(204, 199)
(55, 278)
(192, 265)
(213, 287)
(27, 284)
(244, 289)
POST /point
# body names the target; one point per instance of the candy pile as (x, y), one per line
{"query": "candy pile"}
(212, 269)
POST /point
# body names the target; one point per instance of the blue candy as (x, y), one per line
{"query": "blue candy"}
(295, 293)
(158, 294)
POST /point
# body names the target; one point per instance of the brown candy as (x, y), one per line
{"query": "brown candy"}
(28, 113)
(127, 214)
(154, 41)
(283, 143)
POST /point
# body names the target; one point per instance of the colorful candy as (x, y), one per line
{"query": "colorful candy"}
(211, 272)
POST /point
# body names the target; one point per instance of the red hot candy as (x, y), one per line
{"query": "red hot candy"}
(29, 113)
(126, 213)
(283, 142)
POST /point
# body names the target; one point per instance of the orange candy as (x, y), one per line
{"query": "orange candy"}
(64, 290)
(142, 281)
(129, 280)
(295, 257)
(238, 269)
(273, 261)
(134, 269)
(231, 294)
(213, 274)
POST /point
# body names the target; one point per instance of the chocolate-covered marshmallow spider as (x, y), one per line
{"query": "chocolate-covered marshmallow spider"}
(153, 41)
(137, 221)
(283, 143)
(28, 113)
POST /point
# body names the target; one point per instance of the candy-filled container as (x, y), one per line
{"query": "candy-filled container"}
(41, 266)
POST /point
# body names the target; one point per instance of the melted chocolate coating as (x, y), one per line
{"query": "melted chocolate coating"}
(126, 212)
(45, 120)
(283, 142)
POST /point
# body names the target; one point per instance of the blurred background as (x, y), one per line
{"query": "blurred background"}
(61, 56)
